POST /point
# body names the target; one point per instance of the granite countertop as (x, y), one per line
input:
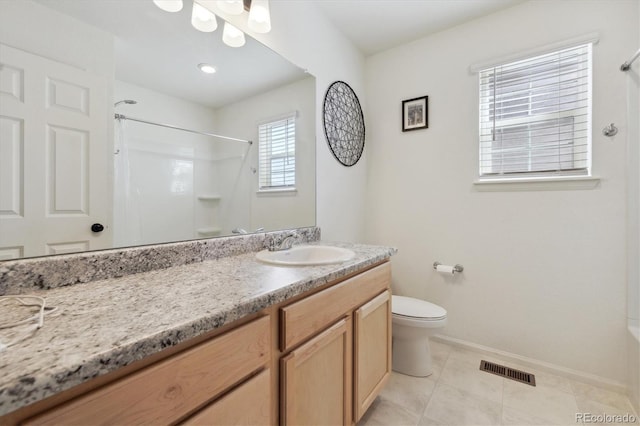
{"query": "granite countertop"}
(107, 324)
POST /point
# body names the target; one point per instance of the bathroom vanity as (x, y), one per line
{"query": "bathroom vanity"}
(226, 341)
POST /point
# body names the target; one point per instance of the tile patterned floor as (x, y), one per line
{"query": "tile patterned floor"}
(458, 393)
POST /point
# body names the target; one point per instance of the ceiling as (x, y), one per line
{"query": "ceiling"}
(377, 25)
(161, 51)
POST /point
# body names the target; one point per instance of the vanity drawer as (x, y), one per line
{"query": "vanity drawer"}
(248, 404)
(310, 315)
(171, 389)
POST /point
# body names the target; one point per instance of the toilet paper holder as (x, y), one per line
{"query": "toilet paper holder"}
(456, 268)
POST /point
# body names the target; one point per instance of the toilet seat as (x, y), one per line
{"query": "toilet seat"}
(413, 309)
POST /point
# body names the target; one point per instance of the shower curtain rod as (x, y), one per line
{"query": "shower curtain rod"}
(169, 126)
(627, 65)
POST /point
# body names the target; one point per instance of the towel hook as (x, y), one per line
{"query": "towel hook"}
(610, 131)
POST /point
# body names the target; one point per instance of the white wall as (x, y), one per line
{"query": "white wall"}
(633, 234)
(277, 210)
(305, 37)
(37, 29)
(544, 270)
(632, 78)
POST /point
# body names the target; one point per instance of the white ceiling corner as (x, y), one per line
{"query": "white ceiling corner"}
(377, 25)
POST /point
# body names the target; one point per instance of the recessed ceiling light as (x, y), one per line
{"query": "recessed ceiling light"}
(207, 69)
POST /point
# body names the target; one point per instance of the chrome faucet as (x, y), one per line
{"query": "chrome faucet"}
(283, 242)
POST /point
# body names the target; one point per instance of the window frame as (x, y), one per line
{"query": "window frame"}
(266, 156)
(558, 114)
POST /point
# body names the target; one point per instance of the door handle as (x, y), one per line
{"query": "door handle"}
(97, 227)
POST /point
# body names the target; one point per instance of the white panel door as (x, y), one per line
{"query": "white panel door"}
(54, 157)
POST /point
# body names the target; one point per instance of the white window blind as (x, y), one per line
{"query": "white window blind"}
(535, 116)
(277, 153)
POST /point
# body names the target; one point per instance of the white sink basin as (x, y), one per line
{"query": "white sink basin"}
(306, 256)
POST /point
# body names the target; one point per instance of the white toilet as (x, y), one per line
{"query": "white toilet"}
(414, 320)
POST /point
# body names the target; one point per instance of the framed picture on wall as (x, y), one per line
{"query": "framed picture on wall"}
(415, 114)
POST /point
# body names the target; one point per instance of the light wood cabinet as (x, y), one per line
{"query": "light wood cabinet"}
(316, 379)
(355, 349)
(372, 351)
(302, 319)
(169, 390)
(248, 405)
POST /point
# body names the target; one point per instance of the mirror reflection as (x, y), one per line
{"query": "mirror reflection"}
(111, 135)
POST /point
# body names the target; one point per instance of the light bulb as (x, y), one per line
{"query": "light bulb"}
(259, 17)
(202, 19)
(232, 7)
(231, 36)
(169, 5)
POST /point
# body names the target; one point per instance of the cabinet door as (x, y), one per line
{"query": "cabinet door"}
(316, 379)
(372, 351)
(306, 317)
(248, 404)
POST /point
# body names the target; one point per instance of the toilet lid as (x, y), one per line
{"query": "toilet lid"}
(416, 308)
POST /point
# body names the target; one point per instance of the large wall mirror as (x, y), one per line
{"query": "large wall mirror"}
(102, 110)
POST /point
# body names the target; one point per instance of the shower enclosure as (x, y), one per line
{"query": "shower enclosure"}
(173, 183)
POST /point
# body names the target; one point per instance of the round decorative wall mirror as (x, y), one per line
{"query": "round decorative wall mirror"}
(343, 123)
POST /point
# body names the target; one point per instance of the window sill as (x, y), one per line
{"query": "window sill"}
(537, 184)
(276, 192)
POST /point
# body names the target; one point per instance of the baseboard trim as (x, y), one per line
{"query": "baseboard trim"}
(543, 366)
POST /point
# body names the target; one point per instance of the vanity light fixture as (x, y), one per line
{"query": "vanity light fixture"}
(207, 68)
(259, 17)
(169, 5)
(232, 7)
(202, 19)
(231, 36)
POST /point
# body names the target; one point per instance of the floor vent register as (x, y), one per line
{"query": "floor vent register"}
(509, 373)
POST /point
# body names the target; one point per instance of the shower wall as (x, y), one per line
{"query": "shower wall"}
(174, 177)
